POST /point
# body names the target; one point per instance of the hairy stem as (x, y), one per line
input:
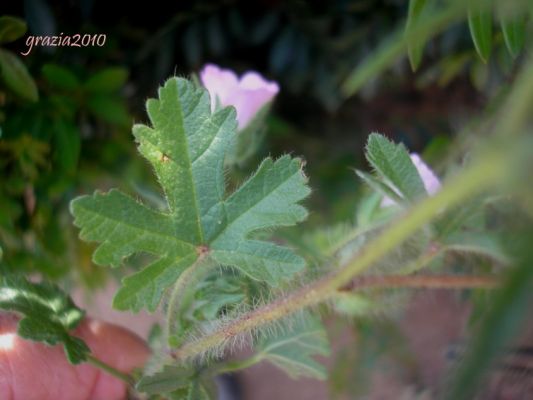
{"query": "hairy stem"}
(423, 281)
(182, 292)
(110, 370)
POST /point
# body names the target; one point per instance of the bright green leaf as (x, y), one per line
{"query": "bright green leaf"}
(107, 81)
(16, 77)
(480, 24)
(514, 33)
(47, 314)
(60, 77)
(187, 146)
(393, 163)
(294, 350)
(11, 28)
(415, 45)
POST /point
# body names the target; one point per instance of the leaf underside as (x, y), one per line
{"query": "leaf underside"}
(47, 314)
(186, 145)
(294, 350)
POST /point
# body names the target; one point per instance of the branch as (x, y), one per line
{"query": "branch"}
(422, 281)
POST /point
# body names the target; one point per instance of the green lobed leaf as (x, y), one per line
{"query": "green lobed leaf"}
(11, 28)
(294, 350)
(187, 145)
(415, 46)
(16, 77)
(514, 33)
(480, 24)
(394, 165)
(48, 314)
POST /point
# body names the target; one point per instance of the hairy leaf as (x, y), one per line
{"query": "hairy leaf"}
(293, 351)
(394, 165)
(47, 314)
(187, 145)
(379, 186)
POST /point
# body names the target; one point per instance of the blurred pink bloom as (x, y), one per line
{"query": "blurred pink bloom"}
(430, 180)
(247, 94)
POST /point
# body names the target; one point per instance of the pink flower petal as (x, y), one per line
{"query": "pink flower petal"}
(219, 82)
(429, 179)
(248, 94)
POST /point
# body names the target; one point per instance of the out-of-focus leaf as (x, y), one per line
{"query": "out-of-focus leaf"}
(67, 139)
(16, 77)
(216, 39)
(514, 33)
(60, 77)
(11, 28)
(394, 165)
(106, 81)
(502, 323)
(282, 51)
(393, 47)
(415, 45)
(109, 109)
(294, 350)
(48, 314)
(175, 383)
(263, 28)
(192, 43)
(480, 24)
(478, 243)
(169, 379)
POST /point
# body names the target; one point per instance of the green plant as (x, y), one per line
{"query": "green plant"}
(211, 260)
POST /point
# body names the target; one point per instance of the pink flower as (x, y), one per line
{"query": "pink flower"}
(430, 180)
(248, 94)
